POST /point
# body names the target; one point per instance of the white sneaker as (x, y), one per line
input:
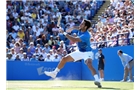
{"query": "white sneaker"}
(51, 74)
(129, 80)
(123, 80)
(101, 79)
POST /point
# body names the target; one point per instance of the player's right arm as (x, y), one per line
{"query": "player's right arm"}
(72, 28)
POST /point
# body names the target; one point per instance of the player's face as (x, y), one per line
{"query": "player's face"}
(82, 25)
(119, 53)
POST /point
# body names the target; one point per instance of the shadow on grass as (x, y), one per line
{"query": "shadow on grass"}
(110, 88)
(92, 88)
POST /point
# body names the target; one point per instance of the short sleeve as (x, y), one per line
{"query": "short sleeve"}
(84, 37)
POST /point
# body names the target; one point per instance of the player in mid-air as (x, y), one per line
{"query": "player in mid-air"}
(84, 52)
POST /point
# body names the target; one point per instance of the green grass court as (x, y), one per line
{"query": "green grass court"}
(67, 85)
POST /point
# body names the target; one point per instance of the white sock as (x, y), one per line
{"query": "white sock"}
(57, 70)
(96, 78)
(102, 78)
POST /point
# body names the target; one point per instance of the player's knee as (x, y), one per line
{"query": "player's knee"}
(89, 63)
(64, 59)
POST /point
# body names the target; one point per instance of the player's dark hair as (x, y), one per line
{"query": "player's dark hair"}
(87, 23)
(120, 51)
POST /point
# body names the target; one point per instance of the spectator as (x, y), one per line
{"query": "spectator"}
(33, 15)
(21, 42)
(44, 54)
(20, 53)
(24, 48)
(47, 48)
(21, 34)
(39, 48)
(114, 41)
(51, 55)
(17, 48)
(40, 58)
(17, 39)
(62, 44)
(48, 58)
(54, 50)
(33, 58)
(30, 39)
(25, 58)
(32, 47)
(31, 32)
(99, 24)
(71, 23)
(59, 53)
(109, 41)
(14, 34)
(10, 38)
(9, 57)
(56, 59)
(37, 53)
(26, 36)
(17, 58)
(55, 30)
(12, 52)
(12, 44)
(131, 36)
(87, 13)
(51, 41)
(58, 40)
(44, 40)
(29, 54)
(7, 50)
(16, 27)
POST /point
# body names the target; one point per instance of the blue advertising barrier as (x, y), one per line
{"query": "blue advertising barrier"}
(26, 70)
(18, 70)
(113, 66)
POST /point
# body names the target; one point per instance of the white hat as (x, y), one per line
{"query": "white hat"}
(31, 43)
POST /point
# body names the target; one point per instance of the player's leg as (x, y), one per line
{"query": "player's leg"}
(68, 58)
(60, 66)
(93, 71)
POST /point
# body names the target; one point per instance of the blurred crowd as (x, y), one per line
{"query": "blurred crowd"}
(33, 35)
(115, 27)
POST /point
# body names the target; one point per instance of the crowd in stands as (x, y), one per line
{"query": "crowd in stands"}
(115, 27)
(33, 35)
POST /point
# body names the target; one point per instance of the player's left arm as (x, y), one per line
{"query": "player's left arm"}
(73, 39)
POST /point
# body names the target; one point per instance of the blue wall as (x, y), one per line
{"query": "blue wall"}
(113, 66)
(17, 70)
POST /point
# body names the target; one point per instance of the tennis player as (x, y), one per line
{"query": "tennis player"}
(84, 52)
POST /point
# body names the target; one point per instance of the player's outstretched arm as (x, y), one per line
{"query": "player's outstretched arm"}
(70, 37)
(72, 28)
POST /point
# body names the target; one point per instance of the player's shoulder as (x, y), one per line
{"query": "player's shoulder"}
(87, 33)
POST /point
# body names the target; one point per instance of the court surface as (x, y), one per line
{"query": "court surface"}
(67, 85)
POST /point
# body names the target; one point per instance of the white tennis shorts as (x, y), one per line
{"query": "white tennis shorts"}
(77, 55)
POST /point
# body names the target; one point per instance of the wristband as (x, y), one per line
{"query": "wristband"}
(65, 33)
